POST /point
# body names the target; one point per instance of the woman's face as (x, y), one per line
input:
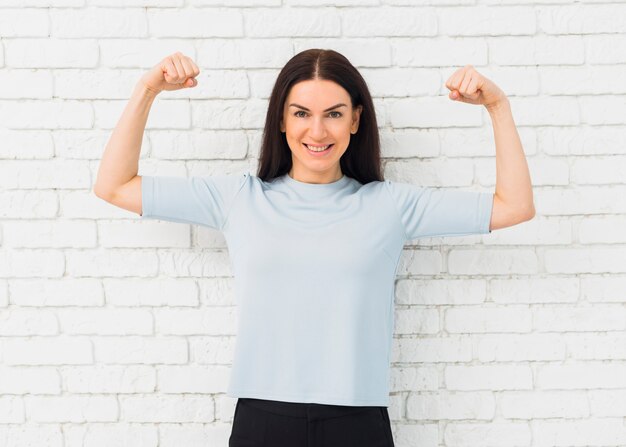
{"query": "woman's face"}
(318, 112)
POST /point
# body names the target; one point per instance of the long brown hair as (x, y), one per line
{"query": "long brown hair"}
(361, 160)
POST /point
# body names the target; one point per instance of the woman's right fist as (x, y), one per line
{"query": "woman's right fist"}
(174, 72)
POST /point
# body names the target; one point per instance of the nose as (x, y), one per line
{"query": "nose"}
(318, 129)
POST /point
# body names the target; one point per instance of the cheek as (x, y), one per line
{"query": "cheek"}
(294, 128)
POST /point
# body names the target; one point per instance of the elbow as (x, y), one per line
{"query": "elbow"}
(98, 192)
(520, 211)
(528, 213)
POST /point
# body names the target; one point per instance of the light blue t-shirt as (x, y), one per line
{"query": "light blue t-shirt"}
(314, 270)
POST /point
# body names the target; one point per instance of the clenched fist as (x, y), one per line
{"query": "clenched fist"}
(174, 72)
(469, 86)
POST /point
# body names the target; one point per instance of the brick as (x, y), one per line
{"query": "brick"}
(543, 404)
(589, 260)
(77, 409)
(23, 22)
(447, 405)
(534, 290)
(470, 319)
(155, 292)
(52, 114)
(51, 52)
(598, 346)
(361, 52)
(11, 410)
(21, 322)
(487, 21)
(28, 263)
(537, 50)
(602, 230)
(31, 434)
(604, 403)
(420, 262)
(416, 320)
(519, 347)
(208, 379)
(98, 22)
(82, 292)
(582, 318)
(407, 378)
(598, 170)
(60, 350)
(593, 431)
(488, 434)
(106, 321)
(492, 261)
(386, 21)
(580, 375)
(93, 434)
(603, 289)
(432, 349)
(605, 49)
(431, 172)
(431, 112)
(27, 380)
(144, 53)
(50, 234)
(488, 377)
(292, 22)
(109, 379)
(442, 51)
(581, 19)
(122, 262)
(218, 320)
(246, 54)
(584, 200)
(174, 409)
(596, 140)
(128, 350)
(24, 83)
(440, 292)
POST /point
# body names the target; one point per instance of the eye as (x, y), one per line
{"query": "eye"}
(338, 114)
(299, 111)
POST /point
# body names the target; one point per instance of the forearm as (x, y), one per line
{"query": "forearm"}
(120, 160)
(513, 185)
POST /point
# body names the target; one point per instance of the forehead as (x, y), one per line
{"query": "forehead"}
(320, 92)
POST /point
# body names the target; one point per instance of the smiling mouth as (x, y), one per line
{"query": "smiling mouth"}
(318, 148)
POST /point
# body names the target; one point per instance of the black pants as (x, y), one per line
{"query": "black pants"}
(270, 423)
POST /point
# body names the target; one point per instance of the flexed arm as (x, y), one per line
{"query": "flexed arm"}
(513, 199)
(117, 181)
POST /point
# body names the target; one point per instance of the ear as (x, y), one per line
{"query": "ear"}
(356, 116)
(282, 126)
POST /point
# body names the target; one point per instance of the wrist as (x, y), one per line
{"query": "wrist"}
(147, 91)
(498, 105)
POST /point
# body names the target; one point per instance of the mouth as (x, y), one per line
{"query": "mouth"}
(318, 150)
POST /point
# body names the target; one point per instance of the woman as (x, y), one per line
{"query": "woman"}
(315, 239)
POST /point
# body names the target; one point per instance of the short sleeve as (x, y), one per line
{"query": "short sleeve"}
(431, 212)
(204, 200)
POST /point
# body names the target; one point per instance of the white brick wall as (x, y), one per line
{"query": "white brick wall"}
(115, 332)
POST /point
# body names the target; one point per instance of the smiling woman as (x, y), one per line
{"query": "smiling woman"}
(315, 239)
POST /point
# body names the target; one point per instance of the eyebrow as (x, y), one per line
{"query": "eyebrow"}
(330, 108)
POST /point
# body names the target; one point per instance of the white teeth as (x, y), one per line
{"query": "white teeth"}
(317, 149)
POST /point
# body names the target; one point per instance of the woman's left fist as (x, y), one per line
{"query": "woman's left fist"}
(467, 85)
